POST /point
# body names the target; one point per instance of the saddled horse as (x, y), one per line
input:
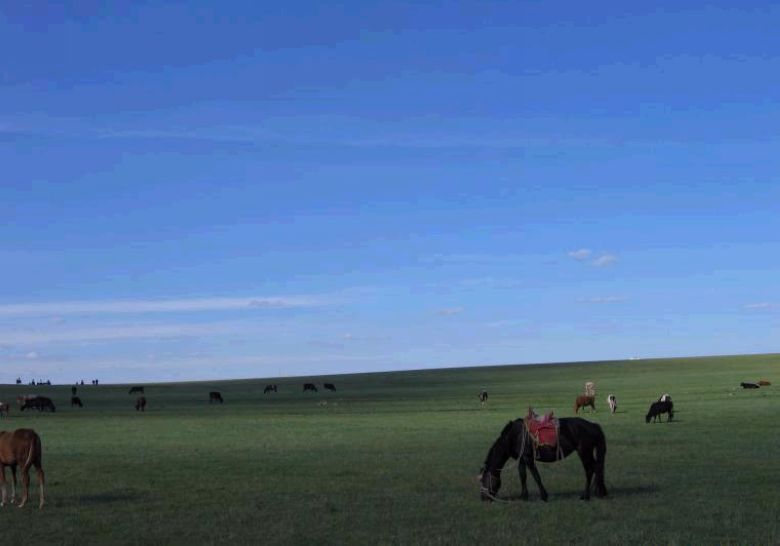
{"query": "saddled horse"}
(516, 442)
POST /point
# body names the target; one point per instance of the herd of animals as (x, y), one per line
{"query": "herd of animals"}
(528, 440)
(548, 439)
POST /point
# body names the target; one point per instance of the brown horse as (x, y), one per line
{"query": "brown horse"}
(21, 447)
(584, 400)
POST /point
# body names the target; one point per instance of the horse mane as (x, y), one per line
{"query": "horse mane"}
(502, 439)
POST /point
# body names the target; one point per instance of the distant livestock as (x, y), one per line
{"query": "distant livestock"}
(483, 397)
(134, 390)
(590, 388)
(659, 408)
(269, 388)
(40, 403)
(665, 398)
(73, 391)
(140, 404)
(4, 409)
(76, 401)
(612, 401)
(584, 400)
(21, 447)
(215, 396)
(764, 383)
(749, 385)
(309, 387)
(329, 386)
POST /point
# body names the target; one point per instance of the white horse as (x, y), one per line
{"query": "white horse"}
(612, 401)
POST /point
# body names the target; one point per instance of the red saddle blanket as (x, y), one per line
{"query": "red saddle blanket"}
(543, 430)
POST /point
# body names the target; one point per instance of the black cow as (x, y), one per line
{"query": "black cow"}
(329, 386)
(309, 387)
(269, 388)
(40, 403)
(215, 396)
(657, 408)
(76, 401)
(749, 385)
(136, 389)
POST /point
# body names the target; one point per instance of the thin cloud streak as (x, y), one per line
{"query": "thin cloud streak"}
(156, 306)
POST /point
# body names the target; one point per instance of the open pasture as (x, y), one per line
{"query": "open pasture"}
(392, 458)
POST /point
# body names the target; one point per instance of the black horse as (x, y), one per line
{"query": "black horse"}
(309, 387)
(269, 388)
(329, 386)
(574, 434)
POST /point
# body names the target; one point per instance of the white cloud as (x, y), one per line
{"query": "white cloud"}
(581, 254)
(119, 332)
(155, 306)
(32, 355)
(604, 260)
(761, 305)
(449, 311)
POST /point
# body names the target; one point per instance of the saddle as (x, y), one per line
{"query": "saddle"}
(543, 430)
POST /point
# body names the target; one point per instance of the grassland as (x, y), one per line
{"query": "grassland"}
(392, 458)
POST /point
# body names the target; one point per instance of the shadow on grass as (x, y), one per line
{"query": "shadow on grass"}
(566, 493)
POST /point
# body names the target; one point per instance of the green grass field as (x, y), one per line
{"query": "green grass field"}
(392, 458)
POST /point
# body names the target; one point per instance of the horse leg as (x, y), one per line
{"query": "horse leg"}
(523, 479)
(588, 463)
(13, 484)
(40, 475)
(538, 480)
(2, 485)
(26, 486)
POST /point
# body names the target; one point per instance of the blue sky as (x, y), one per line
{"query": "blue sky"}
(248, 189)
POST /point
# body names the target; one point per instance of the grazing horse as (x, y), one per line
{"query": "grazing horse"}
(329, 386)
(76, 401)
(140, 404)
(40, 403)
(515, 441)
(21, 447)
(749, 385)
(269, 388)
(309, 387)
(612, 401)
(136, 389)
(764, 383)
(483, 396)
(657, 408)
(584, 400)
(215, 396)
(4, 409)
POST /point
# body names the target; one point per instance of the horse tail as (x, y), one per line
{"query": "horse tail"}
(33, 445)
(601, 455)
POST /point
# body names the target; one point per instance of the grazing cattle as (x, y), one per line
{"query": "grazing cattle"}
(749, 385)
(764, 383)
(140, 404)
(215, 396)
(269, 388)
(329, 386)
(665, 398)
(483, 396)
(4, 409)
(40, 403)
(612, 401)
(590, 388)
(309, 387)
(21, 447)
(76, 401)
(584, 400)
(658, 408)
(136, 389)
